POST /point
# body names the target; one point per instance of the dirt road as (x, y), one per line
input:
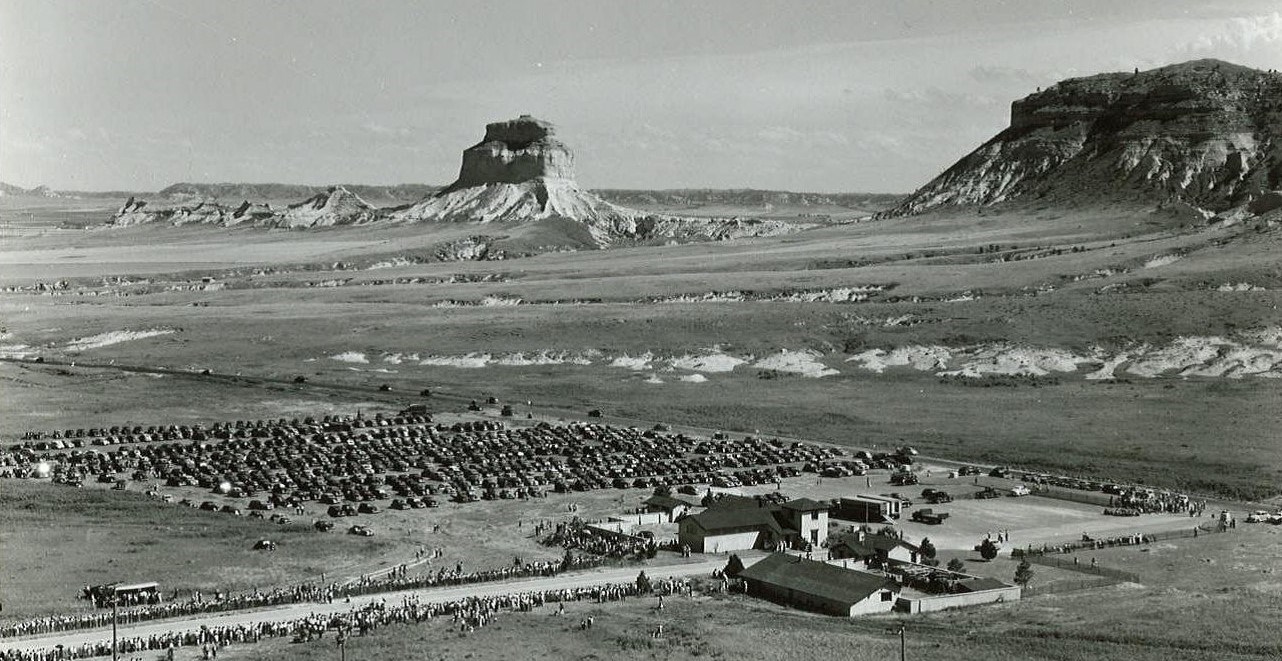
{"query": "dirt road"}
(427, 595)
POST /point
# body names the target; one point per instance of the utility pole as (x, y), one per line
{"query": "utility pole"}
(903, 643)
(115, 646)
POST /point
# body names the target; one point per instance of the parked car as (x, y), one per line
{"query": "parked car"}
(363, 531)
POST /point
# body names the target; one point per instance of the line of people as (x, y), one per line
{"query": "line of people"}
(467, 615)
(198, 603)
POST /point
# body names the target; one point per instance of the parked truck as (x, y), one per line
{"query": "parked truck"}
(929, 516)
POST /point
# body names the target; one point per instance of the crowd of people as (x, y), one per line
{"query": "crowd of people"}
(465, 616)
(199, 603)
(577, 534)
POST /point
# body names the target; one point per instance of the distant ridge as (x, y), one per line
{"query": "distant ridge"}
(519, 174)
(746, 197)
(1205, 132)
(400, 193)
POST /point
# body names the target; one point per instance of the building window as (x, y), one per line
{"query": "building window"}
(885, 595)
(814, 516)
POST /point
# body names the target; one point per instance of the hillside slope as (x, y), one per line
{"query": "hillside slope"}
(1205, 132)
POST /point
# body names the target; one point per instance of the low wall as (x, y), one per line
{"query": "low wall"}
(959, 600)
(642, 519)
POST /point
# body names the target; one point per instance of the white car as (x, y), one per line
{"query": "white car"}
(1019, 490)
(1258, 516)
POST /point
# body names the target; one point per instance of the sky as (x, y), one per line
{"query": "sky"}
(839, 96)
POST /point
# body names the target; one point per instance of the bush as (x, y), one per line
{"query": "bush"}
(988, 550)
(734, 566)
(956, 566)
(1024, 573)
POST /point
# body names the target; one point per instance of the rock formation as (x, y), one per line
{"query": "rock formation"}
(336, 206)
(1205, 132)
(520, 173)
(515, 152)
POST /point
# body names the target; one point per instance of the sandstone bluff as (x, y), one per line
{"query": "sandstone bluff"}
(1206, 133)
(518, 174)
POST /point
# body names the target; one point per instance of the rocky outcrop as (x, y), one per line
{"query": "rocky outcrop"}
(139, 212)
(519, 173)
(1206, 132)
(515, 152)
(337, 206)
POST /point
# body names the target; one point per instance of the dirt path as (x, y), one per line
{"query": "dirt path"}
(427, 595)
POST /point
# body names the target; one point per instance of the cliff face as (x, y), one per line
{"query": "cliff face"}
(515, 152)
(1206, 132)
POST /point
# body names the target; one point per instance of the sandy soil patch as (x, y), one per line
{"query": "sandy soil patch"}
(350, 357)
(805, 363)
(637, 363)
(114, 337)
(1162, 260)
(924, 358)
(712, 362)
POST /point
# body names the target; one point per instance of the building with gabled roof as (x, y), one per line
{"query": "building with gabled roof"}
(737, 523)
(820, 586)
(672, 508)
(874, 549)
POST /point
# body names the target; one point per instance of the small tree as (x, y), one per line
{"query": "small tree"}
(567, 560)
(928, 550)
(988, 550)
(734, 566)
(643, 583)
(956, 566)
(663, 490)
(1023, 573)
(708, 499)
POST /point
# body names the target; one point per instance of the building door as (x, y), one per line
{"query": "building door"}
(814, 536)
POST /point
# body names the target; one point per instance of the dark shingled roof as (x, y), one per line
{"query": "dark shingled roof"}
(873, 543)
(736, 519)
(666, 502)
(807, 505)
(981, 584)
(817, 578)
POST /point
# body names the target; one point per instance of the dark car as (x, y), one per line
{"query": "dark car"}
(363, 531)
(367, 508)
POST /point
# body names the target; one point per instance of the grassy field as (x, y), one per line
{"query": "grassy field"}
(54, 540)
(1212, 435)
(1030, 277)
